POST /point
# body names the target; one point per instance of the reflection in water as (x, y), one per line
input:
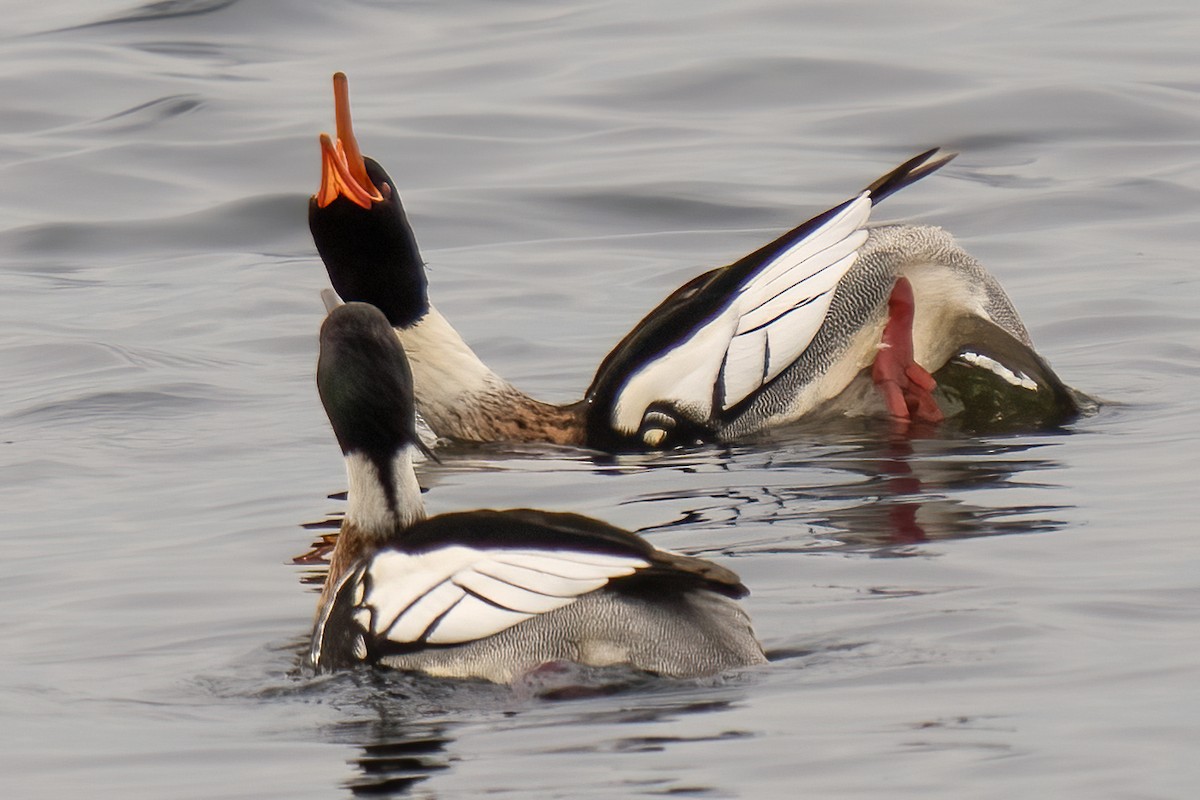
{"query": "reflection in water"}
(889, 493)
(316, 559)
(396, 755)
(874, 493)
(406, 726)
(391, 720)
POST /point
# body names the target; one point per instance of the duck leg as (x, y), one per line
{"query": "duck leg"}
(906, 386)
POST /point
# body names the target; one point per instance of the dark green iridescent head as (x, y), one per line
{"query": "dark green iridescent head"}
(365, 383)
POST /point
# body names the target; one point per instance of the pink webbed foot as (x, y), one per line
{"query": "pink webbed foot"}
(906, 386)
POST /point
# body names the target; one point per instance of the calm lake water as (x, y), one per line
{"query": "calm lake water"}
(948, 618)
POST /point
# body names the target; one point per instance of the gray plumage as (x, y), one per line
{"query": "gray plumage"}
(687, 635)
(850, 333)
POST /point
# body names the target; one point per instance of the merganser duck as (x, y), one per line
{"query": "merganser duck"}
(831, 319)
(491, 594)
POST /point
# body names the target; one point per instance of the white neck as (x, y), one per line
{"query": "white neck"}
(367, 500)
(447, 375)
(437, 352)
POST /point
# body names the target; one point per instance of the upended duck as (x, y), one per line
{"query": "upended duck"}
(491, 594)
(832, 319)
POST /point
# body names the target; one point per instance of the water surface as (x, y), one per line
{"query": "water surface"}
(954, 617)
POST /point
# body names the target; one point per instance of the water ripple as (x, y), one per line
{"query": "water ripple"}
(150, 113)
(257, 224)
(165, 9)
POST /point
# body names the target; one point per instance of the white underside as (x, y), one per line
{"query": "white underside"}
(942, 300)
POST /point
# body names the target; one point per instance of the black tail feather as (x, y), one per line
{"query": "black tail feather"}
(907, 174)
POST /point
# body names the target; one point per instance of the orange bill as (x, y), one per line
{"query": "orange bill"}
(343, 171)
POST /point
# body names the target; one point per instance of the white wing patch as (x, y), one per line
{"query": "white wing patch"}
(765, 326)
(460, 594)
(995, 367)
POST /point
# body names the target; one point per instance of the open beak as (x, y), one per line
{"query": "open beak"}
(343, 171)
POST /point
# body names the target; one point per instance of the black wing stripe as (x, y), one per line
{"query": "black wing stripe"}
(815, 255)
(786, 311)
(432, 626)
(483, 569)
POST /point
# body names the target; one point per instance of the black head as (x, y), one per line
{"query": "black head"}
(365, 383)
(371, 253)
(360, 228)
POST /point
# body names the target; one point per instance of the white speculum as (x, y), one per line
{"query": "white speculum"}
(996, 368)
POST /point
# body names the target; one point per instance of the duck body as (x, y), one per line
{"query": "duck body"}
(959, 317)
(422, 603)
(491, 594)
(801, 329)
(965, 331)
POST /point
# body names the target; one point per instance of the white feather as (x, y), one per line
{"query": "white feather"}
(685, 374)
(995, 367)
(367, 499)
(399, 581)
(764, 327)
(413, 620)
(459, 593)
(785, 326)
(835, 229)
(565, 563)
(362, 618)
(761, 303)
(549, 584)
(471, 619)
(512, 596)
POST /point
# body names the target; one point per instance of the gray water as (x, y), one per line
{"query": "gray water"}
(1001, 617)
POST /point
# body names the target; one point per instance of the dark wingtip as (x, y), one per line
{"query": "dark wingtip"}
(908, 173)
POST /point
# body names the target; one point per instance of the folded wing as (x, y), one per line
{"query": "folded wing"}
(459, 594)
(763, 323)
(726, 335)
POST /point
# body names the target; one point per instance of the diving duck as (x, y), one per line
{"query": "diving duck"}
(488, 594)
(833, 319)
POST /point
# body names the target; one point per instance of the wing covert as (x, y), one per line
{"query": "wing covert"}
(457, 593)
(763, 326)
